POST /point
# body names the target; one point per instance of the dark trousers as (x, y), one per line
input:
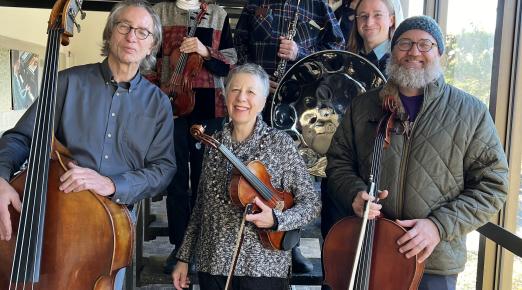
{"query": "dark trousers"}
(189, 158)
(438, 282)
(214, 282)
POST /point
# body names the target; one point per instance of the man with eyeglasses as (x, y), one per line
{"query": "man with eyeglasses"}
(444, 173)
(117, 125)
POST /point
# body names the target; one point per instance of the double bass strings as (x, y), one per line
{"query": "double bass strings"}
(27, 254)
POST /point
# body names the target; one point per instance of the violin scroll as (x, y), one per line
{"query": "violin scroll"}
(198, 132)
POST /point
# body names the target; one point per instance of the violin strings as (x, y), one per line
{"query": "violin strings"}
(252, 179)
(183, 58)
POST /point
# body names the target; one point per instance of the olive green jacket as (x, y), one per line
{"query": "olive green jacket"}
(449, 166)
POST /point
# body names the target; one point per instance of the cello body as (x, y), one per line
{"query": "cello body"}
(386, 274)
(87, 238)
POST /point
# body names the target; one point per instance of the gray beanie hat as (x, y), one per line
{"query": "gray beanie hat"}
(423, 23)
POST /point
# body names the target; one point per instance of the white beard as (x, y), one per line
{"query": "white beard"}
(413, 78)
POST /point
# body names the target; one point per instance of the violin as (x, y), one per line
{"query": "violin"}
(362, 254)
(248, 182)
(185, 67)
(61, 241)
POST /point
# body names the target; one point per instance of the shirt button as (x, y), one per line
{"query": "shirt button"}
(109, 135)
(106, 156)
(113, 114)
(117, 94)
(118, 200)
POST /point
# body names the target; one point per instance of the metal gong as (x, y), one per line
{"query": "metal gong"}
(312, 97)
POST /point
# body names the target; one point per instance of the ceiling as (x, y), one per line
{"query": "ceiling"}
(98, 5)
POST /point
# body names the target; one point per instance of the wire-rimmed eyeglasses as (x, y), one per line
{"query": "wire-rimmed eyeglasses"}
(423, 45)
(124, 28)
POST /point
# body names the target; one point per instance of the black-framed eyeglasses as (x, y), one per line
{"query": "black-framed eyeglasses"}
(423, 45)
(124, 28)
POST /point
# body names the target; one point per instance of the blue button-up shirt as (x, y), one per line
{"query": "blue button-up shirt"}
(123, 131)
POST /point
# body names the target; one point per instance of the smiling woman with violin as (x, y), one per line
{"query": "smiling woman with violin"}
(216, 219)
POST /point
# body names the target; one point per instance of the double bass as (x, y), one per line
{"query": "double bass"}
(362, 254)
(185, 67)
(250, 181)
(61, 241)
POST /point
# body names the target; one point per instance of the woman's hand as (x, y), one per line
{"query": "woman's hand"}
(264, 219)
(180, 276)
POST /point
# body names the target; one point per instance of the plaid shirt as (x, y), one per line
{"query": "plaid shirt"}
(262, 22)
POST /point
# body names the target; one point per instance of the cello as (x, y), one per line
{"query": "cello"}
(250, 181)
(362, 254)
(187, 67)
(61, 241)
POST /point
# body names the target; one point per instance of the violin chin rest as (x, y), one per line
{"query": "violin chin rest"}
(291, 239)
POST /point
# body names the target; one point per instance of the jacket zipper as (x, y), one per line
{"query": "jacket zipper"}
(405, 157)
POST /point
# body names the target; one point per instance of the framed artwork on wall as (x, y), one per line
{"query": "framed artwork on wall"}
(24, 78)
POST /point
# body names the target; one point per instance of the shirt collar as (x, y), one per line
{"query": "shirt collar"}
(382, 49)
(107, 75)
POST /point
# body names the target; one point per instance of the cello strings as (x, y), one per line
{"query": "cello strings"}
(364, 270)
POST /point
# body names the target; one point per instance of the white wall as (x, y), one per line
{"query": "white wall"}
(26, 29)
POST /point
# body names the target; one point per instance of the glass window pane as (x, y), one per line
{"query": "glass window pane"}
(517, 263)
(413, 7)
(467, 65)
(469, 45)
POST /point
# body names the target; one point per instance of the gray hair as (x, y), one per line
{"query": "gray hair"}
(150, 60)
(252, 69)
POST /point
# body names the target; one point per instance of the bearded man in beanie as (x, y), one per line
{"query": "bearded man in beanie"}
(443, 175)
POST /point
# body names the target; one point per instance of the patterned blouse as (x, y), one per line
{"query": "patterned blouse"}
(215, 221)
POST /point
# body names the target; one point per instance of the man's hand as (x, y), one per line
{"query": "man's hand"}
(420, 239)
(192, 44)
(8, 196)
(287, 49)
(80, 178)
(180, 276)
(361, 198)
(264, 219)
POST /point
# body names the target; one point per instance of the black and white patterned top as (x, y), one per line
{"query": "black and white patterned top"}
(215, 221)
